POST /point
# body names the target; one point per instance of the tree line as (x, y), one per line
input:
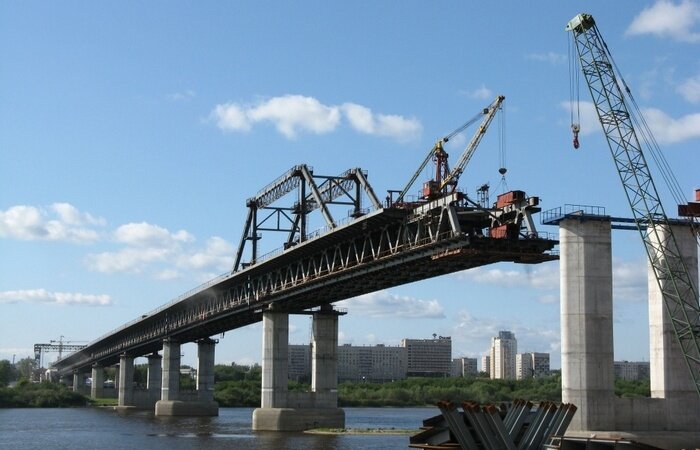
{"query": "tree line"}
(239, 385)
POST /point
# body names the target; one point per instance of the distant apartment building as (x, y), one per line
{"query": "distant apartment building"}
(429, 357)
(486, 364)
(504, 347)
(464, 367)
(531, 364)
(299, 362)
(375, 363)
(631, 370)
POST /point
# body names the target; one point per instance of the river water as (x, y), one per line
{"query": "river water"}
(100, 428)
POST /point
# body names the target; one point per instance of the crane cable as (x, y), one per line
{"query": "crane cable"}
(502, 185)
(648, 137)
(574, 91)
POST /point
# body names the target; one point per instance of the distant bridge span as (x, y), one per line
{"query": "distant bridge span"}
(392, 245)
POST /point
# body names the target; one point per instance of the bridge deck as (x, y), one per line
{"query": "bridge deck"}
(376, 251)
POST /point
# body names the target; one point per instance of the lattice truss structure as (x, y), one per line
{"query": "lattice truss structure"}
(374, 249)
(675, 282)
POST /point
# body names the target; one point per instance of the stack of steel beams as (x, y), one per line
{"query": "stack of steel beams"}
(516, 426)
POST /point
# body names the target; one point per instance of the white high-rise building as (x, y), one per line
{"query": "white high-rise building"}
(429, 357)
(464, 367)
(504, 347)
(523, 366)
(486, 364)
(531, 364)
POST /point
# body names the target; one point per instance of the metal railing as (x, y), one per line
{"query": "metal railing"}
(556, 214)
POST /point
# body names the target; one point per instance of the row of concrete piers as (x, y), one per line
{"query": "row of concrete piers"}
(163, 382)
(280, 409)
(672, 414)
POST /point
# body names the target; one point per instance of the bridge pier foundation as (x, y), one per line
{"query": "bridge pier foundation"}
(170, 403)
(78, 381)
(126, 382)
(296, 411)
(671, 418)
(587, 322)
(154, 377)
(669, 378)
(98, 381)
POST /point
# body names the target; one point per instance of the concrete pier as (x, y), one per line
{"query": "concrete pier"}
(126, 381)
(671, 418)
(275, 359)
(154, 379)
(170, 403)
(285, 411)
(587, 322)
(98, 381)
(170, 381)
(78, 381)
(668, 370)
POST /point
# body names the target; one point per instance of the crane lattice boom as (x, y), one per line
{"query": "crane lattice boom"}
(675, 282)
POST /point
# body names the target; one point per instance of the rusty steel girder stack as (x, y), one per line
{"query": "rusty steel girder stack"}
(517, 426)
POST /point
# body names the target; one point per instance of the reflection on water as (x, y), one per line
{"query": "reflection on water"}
(101, 428)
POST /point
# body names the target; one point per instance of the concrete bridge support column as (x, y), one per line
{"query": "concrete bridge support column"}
(587, 322)
(273, 413)
(324, 367)
(275, 359)
(78, 381)
(284, 411)
(205, 370)
(170, 384)
(98, 381)
(668, 371)
(154, 377)
(116, 378)
(170, 403)
(126, 381)
(205, 404)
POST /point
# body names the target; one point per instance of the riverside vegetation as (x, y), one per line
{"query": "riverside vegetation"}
(238, 385)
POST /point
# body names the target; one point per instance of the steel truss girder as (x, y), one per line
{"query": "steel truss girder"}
(663, 253)
(369, 258)
(312, 195)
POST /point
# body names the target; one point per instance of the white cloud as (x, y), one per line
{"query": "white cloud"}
(690, 89)
(363, 120)
(385, 304)
(130, 260)
(151, 249)
(472, 335)
(294, 114)
(218, 254)
(147, 235)
(183, 96)
(667, 19)
(167, 275)
(668, 130)
(544, 276)
(59, 222)
(588, 116)
(70, 215)
(482, 93)
(630, 281)
(57, 298)
(231, 117)
(549, 57)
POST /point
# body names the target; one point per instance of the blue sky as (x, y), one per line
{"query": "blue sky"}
(131, 134)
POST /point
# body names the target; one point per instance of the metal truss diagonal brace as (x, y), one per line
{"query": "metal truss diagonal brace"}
(317, 196)
(368, 188)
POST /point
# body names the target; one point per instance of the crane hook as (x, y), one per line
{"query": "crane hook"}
(575, 128)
